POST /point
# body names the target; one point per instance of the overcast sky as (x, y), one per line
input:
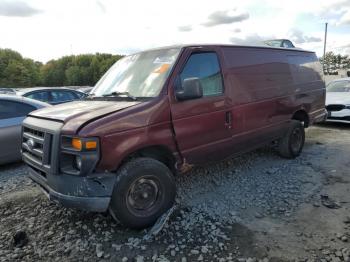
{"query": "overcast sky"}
(48, 29)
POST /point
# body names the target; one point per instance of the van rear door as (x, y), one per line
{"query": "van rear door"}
(202, 125)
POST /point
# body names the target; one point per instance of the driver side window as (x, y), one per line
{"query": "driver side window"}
(204, 66)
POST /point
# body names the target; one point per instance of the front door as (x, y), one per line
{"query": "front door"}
(202, 125)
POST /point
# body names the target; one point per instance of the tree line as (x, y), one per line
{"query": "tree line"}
(73, 70)
(87, 69)
(333, 62)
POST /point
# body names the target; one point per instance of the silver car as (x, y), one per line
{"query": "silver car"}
(7, 90)
(51, 95)
(338, 100)
(13, 110)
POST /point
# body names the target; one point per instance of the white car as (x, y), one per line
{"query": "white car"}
(338, 100)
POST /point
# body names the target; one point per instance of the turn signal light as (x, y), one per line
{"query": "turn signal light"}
(91, 145)
(80, 144)
(77, 144)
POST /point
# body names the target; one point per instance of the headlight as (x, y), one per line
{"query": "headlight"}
(81, 144)
(78, 162)
(87, 144)
(79, 155)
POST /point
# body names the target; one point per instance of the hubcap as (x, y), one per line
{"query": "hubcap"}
(143, 194)
(296, 140)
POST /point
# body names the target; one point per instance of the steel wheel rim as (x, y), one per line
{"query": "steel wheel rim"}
(143, 194)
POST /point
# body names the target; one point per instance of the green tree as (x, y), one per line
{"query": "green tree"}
(73, 76)
(86, 69)
(333, 62)
(16, 71)
(80, 70)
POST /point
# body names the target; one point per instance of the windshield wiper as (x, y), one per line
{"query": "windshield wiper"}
(120, 94)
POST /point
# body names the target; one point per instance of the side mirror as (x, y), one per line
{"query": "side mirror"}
(191, 89)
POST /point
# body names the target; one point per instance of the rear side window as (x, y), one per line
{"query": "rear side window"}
(204, 66)
(62, 96)
(41, 96)
(11, 109)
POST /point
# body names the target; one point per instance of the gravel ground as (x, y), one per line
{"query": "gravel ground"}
(257, 207)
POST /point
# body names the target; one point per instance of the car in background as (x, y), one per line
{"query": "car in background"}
(51, 95)
(338, 100)
(279, 43)
(86, 89)
(13, 110)
(7, 90)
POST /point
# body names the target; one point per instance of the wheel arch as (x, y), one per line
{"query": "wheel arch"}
(159, 152)
(302, 116)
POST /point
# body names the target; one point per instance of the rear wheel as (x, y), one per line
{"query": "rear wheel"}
(144, 190)
(291, 145)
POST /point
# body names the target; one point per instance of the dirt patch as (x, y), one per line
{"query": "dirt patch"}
(331, 180)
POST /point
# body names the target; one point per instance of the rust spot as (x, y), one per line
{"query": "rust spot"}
(184, 167)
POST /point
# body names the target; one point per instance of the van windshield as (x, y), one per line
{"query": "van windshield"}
(138, 75)
(338, 86)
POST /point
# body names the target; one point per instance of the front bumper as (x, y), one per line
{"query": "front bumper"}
(84, 193)
(89, 191)
(339, 116)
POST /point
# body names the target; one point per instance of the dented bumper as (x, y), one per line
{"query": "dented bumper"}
(50, 165)
(85, 193)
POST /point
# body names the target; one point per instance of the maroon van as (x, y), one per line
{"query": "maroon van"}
(160, 112)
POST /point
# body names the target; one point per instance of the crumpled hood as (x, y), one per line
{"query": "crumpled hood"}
(81, 111)
(342, 98)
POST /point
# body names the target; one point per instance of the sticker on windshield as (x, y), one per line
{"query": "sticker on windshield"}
(162, 69)
(164, 60)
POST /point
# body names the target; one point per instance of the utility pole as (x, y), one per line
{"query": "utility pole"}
(324, 45)
(325, 40)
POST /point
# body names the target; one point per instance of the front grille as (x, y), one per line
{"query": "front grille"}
(38, 171)
(335, 107)
(36, 145)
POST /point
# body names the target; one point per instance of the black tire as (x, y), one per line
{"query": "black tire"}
(291, 145)
(144, 190)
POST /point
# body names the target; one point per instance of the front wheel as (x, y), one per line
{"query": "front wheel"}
(291, 145)
(144, 190)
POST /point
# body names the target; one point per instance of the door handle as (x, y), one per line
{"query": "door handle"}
(228, 120)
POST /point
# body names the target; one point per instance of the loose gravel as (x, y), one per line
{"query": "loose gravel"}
(259, 184)
(214, 219)
(12, 178)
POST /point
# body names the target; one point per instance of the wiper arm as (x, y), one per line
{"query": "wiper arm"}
(120, 94)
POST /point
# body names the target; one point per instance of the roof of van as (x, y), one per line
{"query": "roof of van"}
(228, 45)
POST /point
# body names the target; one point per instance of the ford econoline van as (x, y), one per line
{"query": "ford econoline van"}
(160, 112)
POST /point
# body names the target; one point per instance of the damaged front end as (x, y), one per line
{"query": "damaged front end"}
(64, 166)
(85, 193)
